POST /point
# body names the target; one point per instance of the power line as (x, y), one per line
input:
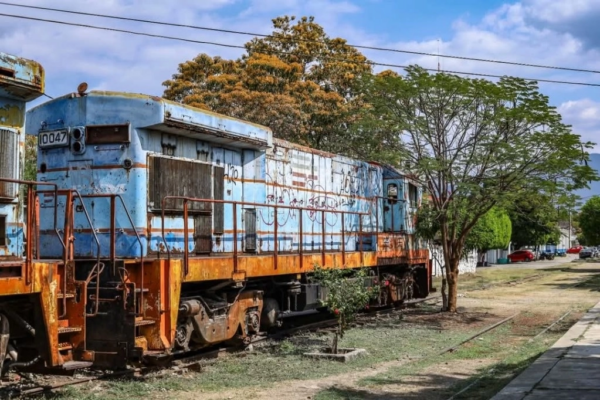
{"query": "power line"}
(279, 52)
(121, 31)
(205, 28)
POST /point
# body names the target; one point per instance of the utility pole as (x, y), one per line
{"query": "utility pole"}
(438, 58)
(570, 229)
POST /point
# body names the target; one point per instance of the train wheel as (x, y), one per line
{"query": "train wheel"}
(269, 317)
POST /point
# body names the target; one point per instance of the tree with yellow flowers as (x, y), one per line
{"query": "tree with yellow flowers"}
(297, 81)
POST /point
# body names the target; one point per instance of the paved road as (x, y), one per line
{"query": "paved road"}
(536, 264)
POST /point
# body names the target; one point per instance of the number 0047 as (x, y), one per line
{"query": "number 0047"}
(58, 138)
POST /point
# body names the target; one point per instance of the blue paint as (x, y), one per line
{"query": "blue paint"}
(22, 81)
(257, 168)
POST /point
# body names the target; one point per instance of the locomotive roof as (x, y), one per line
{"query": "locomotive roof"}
(152, 112)
(20, 79)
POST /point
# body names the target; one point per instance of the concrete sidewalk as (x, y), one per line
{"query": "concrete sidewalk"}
(570, 369)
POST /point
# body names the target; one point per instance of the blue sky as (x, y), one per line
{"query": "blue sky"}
(551, 32)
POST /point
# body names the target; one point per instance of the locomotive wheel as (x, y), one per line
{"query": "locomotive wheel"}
(269, 315)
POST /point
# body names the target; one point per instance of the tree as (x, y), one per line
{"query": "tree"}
(473, 144)
(29, 163)
(30, 169)
(298, 81)
(346, 295)
(535, 220)
(582, 240)
(492, 231)
(589, 221)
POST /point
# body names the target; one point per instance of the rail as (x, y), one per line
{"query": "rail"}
(275, 208)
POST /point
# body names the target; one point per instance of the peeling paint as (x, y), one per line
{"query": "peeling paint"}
(12, 115)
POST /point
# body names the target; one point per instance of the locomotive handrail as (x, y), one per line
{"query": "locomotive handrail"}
(29, 227)
(235, 204)
(112, 197)
(69, 193)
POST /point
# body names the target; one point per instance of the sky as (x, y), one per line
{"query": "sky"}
(550, 32)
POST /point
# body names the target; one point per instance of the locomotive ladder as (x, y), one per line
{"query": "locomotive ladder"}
(99, 286)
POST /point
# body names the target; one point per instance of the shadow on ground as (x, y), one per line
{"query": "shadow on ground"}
(590, 284)
(433, 386)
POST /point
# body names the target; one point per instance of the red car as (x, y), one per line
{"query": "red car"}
(575, 250)
(521, 255)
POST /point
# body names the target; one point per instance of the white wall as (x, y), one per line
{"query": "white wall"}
(467, 265)
(492, 256)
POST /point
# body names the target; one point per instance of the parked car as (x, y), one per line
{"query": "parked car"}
(521, 255)
(575, 250)
(547, 255)
(588, 252)
(561, 252)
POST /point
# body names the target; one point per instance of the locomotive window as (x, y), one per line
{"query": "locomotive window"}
(392, 191)
(413, 195)
(2, 230)
(107, 134)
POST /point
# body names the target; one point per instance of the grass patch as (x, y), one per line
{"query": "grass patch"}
(593, 283)
(485, 277)
(492, 379)
(386, 339)
(509, 352)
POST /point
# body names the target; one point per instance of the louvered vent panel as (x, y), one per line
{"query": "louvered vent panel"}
(9, 152)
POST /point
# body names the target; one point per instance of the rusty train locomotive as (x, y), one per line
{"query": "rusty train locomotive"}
(155, 228)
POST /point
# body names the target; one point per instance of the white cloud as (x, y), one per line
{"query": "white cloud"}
(584, 116)
(123, 62)
(531, 31)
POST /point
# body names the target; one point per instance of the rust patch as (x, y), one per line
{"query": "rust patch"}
(12, 115)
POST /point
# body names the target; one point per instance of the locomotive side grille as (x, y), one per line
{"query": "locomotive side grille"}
(250, 229)
(202, 234)
(9, 152)
(3, 230)
(219, 209)
(172, 177)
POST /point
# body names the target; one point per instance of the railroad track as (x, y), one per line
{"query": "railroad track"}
(202, 358)
(191, 361)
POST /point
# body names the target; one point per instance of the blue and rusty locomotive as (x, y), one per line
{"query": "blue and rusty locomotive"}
(171, 228)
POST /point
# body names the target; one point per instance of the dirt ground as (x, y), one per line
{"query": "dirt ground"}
(410, 373)
(539, 302)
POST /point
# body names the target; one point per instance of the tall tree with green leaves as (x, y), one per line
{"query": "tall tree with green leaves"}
(298, 81)
(474, 145)
(589, 221)
(535, 220)
(492, 231)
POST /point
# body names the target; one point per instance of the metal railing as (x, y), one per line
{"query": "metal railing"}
(113, 236)
(275, 208)
(31, 227)
(69, 238)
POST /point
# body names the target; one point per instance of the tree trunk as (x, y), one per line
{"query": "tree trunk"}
(444, 295)
(453, 285)
(334, 343)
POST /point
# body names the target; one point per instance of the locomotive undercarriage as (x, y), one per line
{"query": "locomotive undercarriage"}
(23, 337)
(114, 320)
(207, 316)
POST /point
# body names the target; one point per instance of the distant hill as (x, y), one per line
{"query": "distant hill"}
(594, 186)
